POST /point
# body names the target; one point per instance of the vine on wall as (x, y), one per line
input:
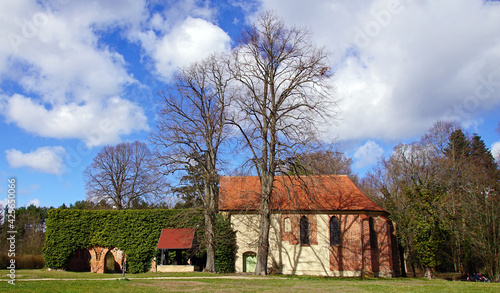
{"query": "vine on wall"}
(136, 232)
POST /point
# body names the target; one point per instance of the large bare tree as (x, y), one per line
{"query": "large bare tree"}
(123, 175)
(191, 129)
(283, 91)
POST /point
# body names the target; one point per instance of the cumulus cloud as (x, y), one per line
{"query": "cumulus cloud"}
(193, 40)
(495, 151)
(44, 159)
(187, 41)
(93, 122)
(67, 81)
(401, 65)
(367, 154)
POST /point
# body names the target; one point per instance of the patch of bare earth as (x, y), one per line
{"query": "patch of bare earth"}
(187, 286)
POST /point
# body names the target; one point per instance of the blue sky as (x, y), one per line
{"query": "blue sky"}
(78, 75)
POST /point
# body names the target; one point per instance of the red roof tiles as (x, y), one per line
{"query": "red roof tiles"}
(176, 239)
(306, 193)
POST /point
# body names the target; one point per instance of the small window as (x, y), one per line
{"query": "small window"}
(304, 230)
(334, 231)
(288, 225)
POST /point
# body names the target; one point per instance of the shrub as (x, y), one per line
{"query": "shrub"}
(23, 261)
(30, 262)
(225, 247)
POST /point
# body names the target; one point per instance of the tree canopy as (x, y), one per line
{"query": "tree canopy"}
(443, 192)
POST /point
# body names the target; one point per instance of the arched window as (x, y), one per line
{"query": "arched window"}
(304, 230)
(373, 234)
(287, 225)
(334, 231)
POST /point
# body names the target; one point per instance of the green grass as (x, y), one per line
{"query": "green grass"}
(187, 282)
(45, 274)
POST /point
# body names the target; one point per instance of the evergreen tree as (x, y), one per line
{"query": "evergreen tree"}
(458, 146)
(191, 189)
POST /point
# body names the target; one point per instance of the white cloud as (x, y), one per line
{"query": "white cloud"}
(93, 122)
(186, 42)
(193, 40)
(367, 154)
(69, 81)
(44, 159)
(495, 151)
(401, 65)
(35, 202)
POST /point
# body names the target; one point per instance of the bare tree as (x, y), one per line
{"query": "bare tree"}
(283, 86)
(438, 136)
(123, 175)
(191, 129)
(321, 162)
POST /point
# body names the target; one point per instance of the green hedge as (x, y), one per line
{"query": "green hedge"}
(136, 232)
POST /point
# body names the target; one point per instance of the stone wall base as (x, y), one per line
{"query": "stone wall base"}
(176, 268)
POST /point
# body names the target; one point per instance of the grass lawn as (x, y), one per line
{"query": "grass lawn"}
(204, 282)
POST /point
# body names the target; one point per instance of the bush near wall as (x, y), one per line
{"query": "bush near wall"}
(23, 261)
(225, 246)
(136, 232)
(225, 243)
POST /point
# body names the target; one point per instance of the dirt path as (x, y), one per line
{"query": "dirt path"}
(149, 278)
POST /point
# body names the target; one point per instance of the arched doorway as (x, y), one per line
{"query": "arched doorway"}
(110, 264)
(249, 261)
(80, 260)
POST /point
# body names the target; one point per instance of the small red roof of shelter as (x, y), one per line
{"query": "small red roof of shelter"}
(292, 193)
(176, 239)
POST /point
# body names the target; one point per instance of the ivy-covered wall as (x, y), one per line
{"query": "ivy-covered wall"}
(134, 231)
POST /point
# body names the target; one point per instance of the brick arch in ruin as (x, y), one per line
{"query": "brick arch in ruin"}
(98, 258)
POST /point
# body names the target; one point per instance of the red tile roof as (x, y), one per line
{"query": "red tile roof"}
(306, 193)
(176, 239)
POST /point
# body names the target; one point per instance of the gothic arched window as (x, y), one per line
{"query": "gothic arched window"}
(334, 231)
(287, 223)
(304, 230)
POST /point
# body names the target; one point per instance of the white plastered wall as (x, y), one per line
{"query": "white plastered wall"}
(288, 257)
(284, 257)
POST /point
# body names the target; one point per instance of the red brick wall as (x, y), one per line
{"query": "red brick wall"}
(98, 258)
(293, 237)
(355, 253)
(347, 255)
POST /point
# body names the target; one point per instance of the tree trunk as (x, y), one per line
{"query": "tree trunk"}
(209, 234)
(210, 211)
(402, 260)
(263, 245)
(265, 224)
